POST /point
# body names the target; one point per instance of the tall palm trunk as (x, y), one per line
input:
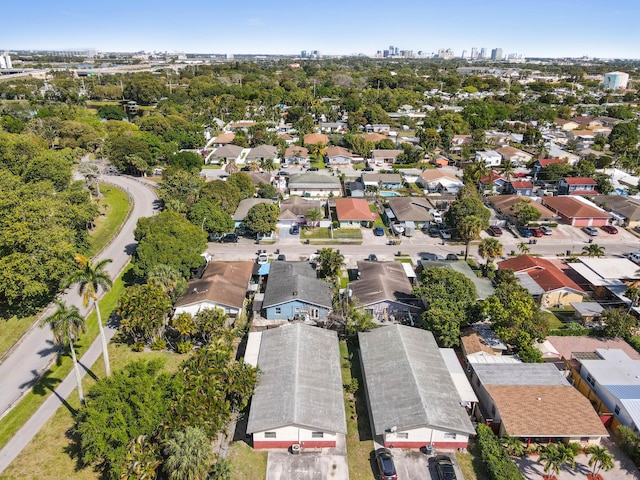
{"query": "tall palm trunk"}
(103, 338)
(76, 369)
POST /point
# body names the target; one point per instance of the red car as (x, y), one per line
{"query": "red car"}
(609, 229)
(495, 231)
(537, 232)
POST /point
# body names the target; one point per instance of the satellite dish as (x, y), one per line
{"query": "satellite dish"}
(393, 429)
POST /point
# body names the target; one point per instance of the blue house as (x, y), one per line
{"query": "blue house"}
(294, 292)
(519, 187)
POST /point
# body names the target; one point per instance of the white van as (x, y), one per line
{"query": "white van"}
(634, 257)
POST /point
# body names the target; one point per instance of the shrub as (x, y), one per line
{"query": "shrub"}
(138, 347)
(184, 347)
(159, 344)
(629, 442)
(497, 463)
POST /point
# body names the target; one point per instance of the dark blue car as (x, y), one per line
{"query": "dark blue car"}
(525, 232)
(378, 231)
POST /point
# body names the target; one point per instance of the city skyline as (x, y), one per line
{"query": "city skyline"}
(545, 28)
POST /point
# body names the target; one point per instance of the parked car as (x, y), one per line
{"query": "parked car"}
(378, 231)
(229, 238)
(372, 257)
(609, 229)
(536, 232)
(312, 169)
(294, 230)
(546, 230)
(524, 232)
(433, 232)
(283, 173)
(495, 230)
(368, 169)
(452, 256)
(386, 467)
(263, 258)
(633, 256)
(281, 258)
(444, 467)
(431, 256)
(591, 231)
(445, 235)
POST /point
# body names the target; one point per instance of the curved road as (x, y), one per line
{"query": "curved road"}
(35, 353)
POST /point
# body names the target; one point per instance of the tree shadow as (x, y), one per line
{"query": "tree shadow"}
(74, 450)
(129, 278)
(51, 348)
(240, 433)
(45, 384)
(88, 370)
(362, 410)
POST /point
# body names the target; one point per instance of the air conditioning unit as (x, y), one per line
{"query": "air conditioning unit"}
(295, 448)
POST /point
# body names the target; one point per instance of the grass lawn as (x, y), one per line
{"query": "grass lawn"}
(211, 166)
(554, 321)
(359, 439)
(317, 163)
(51, 454)
(115, 206)
(373, 208)
(247, 463)
(325, 233)
(471, 464)
(114, 209)
(14, 420)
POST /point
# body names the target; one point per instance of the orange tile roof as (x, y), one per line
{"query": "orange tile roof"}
(374, 137)
(472, 343)
(225, 138)
(546, 411)
(548, 161)
(573, 208)
(313, 138)
(353, 209)
(543, 272)
(335, 151)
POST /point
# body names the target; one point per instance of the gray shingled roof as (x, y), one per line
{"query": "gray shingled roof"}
(380, 281)
(227, 151)
(294, 387)
(313, 180)
(408, 383)
(527, 374)
(296, 280)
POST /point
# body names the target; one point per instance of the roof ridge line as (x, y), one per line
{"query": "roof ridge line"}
(413, 374)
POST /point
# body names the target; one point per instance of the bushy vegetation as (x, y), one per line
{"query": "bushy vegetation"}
(496, 461)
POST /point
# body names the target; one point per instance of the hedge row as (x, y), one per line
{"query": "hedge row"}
(498, 464)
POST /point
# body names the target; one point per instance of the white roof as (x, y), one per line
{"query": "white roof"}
(460, 380)
(615, 368)
(408, 270)
(606, 270)
(253, 348)
(483, 357)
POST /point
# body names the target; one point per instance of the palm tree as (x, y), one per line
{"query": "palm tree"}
(593, 250)
(189, 454)
(556, 455)
(168, 279)
(599, 459)
(524, 249)
(331, 261)
(90, 278)
(314, 215)
(66, 323)
(507, 170)
(513, 446)
(267, 165)
(469, 229)
(231, 167)
(490, 248)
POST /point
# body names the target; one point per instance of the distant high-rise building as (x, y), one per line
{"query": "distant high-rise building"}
(315, 54)
(395, 51)
(385, 53)
(474, 53)
(496, 54)
(445, 53)
(612, 80)
(483, 53)
(5, 61)
(303, 54)
(464, 54)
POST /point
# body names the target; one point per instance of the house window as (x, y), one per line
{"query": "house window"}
(584, 439)
(269, 434)
(315, 313)
(278, 311)
(450, 436)
(317, 434)
(617, 409)
(591, 380)
(297, 309)
(402, 435)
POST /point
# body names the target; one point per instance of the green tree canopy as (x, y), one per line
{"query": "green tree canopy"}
(144, 88)
(222, 194)
(243, 183)
(168, 239)
(618, 323)
(212, 219)
(143, 310)
(331, 262)
(262, 218)
(192, 162)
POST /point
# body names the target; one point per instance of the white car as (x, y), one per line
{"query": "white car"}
(263, 258)
(546, 230)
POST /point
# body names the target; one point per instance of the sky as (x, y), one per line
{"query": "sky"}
(535, 28)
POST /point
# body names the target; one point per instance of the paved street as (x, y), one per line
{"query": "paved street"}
(34, 353)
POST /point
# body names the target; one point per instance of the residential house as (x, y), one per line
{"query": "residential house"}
(458, 141)
(296, 156)
(613, 379)
(355, 189)
(607, 121)
(262, 153)
(293, 291)
(544, 280)
(413, 401)
(380, 157)
(577, 186)
(223, 285)
(241, 125)
(585, 121)
(566, 351)
(409, 209)
(353, 212)
(311, 184)
(514, 155)
(374, 137)
(529, 401)
(384, 291)
(223, 139)
(587, 313)
(294, 209)
(519, 187)
(382, 181)
(338, 156)
(314, 138)
(227, 153)
(542, 163)
(556, 152)
(624, 210)
(298, 399)
(434, 180)
(606, 278)
(289, 139)
(244, 206)
(576, 211)
(494, 182)
(333, 127)
(566, 125)
(491, 158)
(377, 128)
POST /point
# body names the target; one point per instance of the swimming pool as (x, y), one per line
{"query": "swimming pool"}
(386, 193)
